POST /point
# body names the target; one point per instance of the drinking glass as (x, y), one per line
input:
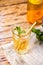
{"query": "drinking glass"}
(21, 43)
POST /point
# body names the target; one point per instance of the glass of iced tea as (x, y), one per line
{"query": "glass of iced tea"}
(35, 11)
(21, 41)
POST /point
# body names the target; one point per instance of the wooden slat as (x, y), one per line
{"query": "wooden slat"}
(15, 9)
(10, 2)
(3, 60)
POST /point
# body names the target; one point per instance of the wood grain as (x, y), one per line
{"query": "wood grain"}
(3, 60)
(14, 9)
(11, 12)
(10, 2)
(9, 15)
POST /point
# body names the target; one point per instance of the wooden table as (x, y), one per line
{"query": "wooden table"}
(3, 60)
(10, 12)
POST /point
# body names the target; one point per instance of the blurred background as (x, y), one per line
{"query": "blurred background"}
(11, 12)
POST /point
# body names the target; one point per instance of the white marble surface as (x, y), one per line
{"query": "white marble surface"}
(35, 57)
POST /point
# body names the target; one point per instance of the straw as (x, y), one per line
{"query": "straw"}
(29, 30)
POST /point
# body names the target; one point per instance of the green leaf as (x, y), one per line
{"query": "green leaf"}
(34, 30)
(42, 25)
(41, 37)
(37, 31)
(39, 34)
(19, 30)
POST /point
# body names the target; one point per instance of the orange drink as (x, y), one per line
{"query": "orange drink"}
(35, 11)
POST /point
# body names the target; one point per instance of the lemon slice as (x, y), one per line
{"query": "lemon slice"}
(36, 1)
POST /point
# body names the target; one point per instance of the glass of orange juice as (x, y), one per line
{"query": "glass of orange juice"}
(21, 41)
(35, 11)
